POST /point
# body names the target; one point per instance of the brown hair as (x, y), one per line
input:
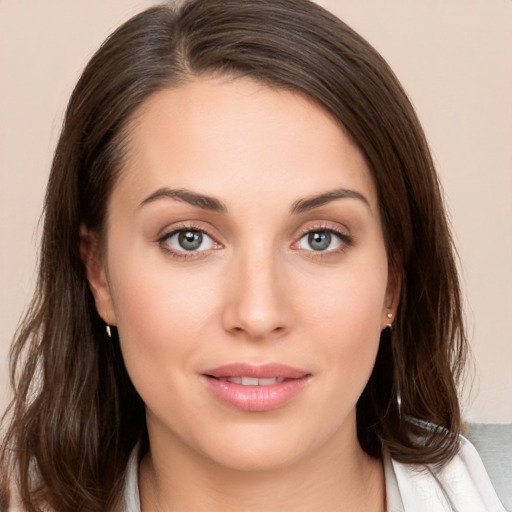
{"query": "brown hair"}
(75, 416)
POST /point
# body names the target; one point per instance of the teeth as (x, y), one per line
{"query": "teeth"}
(249, 381)
(252, 381)
(269, 382)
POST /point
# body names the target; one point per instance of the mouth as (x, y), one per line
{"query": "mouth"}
(255, 388)
(252, 381)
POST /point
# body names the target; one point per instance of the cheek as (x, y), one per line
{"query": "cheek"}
(161, 318)
(153, 307)
(350, 334)
(154, 297)
(343, 314)
(346, 303)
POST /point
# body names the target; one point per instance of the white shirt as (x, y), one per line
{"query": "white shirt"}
(461, 485)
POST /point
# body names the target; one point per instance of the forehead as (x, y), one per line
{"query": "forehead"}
(222, 135)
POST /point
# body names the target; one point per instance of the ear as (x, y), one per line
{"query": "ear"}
(90, 254)
(393, 290)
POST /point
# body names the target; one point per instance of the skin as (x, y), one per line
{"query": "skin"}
(257, 293)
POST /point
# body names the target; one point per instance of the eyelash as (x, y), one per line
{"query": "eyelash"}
(345, 239)
(184, 255)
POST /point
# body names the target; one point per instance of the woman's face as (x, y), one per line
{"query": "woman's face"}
(246, 271)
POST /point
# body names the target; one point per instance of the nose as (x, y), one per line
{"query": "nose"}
(257, 305)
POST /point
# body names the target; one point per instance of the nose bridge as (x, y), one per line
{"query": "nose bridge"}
(256, 304)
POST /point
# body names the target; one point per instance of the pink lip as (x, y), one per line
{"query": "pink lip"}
(256, 398)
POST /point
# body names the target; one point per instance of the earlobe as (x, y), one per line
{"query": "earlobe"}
(392, 299)
(90, 254)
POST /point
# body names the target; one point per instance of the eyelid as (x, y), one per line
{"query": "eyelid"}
(323, 226)
(344, 235)
(193, 225)
(170, 231)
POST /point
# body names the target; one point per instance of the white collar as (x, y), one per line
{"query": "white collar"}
(460, 485)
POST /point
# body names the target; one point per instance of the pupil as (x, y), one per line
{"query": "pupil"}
(319, 241)
(190, 240)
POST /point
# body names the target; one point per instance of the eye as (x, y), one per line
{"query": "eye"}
(188, 240)
(324, 240)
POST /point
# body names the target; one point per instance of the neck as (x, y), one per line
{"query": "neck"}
(346, 479)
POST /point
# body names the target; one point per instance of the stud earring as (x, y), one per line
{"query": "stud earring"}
(390, 324)
(109, 331)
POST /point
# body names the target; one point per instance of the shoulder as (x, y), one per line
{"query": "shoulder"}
(463, 483)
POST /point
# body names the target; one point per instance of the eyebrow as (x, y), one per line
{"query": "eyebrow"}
(304, 205)
(213, 204)
(193, 198)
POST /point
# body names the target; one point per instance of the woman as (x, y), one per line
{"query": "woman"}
(247, 296)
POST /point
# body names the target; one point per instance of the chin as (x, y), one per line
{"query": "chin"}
(261, 448)
(256, 457)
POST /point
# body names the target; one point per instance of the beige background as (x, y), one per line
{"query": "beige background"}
(453, 57)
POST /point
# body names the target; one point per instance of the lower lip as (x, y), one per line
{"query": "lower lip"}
(256, 398)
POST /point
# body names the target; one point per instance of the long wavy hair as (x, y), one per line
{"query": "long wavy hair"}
(75, 416)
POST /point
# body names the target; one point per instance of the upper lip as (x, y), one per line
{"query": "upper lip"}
(262, 371)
